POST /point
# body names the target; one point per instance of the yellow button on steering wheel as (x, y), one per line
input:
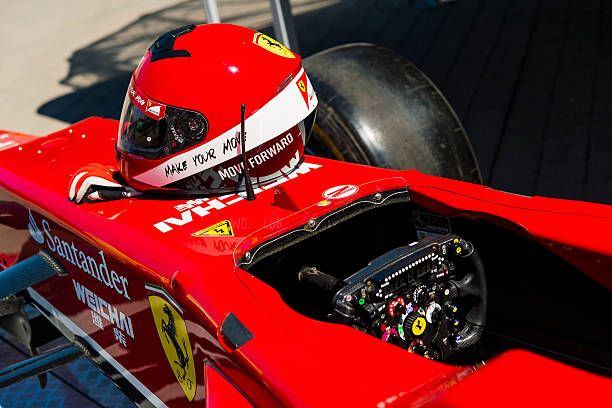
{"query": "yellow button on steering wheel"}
(418, 326)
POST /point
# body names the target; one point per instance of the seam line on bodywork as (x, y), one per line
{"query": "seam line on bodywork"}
(412, 186)
(70, 325)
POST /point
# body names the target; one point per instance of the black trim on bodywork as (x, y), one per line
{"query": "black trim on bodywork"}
(234, 332)
(322, 223)
(162, 47)
(124, 385)
(39, 364)
(229, 380)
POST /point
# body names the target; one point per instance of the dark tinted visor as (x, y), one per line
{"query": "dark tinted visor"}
(140, 134)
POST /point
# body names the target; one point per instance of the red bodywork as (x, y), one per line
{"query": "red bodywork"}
(291, 360)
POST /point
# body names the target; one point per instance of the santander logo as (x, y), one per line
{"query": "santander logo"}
(35, 232)
(93, 264)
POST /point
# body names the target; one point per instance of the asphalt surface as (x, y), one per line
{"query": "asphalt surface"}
(530, 80)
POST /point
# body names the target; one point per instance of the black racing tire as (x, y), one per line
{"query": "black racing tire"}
(377, 108)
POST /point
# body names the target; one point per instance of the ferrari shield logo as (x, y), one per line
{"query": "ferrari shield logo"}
(272, 45)
(418, 326)
(173, 335)
(302, 86)
(223, 228)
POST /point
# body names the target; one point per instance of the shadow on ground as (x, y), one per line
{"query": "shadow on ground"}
(529, 79)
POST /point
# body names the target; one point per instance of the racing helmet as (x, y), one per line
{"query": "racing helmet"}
(180, 126)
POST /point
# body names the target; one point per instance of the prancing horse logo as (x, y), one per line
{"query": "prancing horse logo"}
(169, 330)
(418, 326)
(270, 44)
(174, 340)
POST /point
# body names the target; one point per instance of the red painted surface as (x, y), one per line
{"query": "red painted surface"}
(219, 70)
(220, 392)
(539, 383)
(576, 231)
(9, 140)
(292, 360)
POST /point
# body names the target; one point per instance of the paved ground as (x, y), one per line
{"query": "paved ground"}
(530, 79)
(67, 60)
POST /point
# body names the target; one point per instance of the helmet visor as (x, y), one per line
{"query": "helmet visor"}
(152, 130)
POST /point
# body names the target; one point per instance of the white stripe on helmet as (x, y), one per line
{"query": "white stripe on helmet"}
(281, 113)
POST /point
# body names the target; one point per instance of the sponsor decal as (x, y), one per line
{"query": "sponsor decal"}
(95, 266)
(103, 352)
(323, 203)
(174, 339)
(430, 225)
(176, 168)
(204, 206)
(210, 162)
(155, 109)
(35, 232)
(263, 161)
(151, 108)
(119, 336)
(97, 320)
(272, 150)
(338, 192)
(270, 44)
(223, 228)
(100, 308)
(302, 85)
(200, 159)
(192, 203)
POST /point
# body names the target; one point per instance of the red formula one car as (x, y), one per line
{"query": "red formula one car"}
(329, 284)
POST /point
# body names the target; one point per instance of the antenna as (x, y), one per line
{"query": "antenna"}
(247, 179)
